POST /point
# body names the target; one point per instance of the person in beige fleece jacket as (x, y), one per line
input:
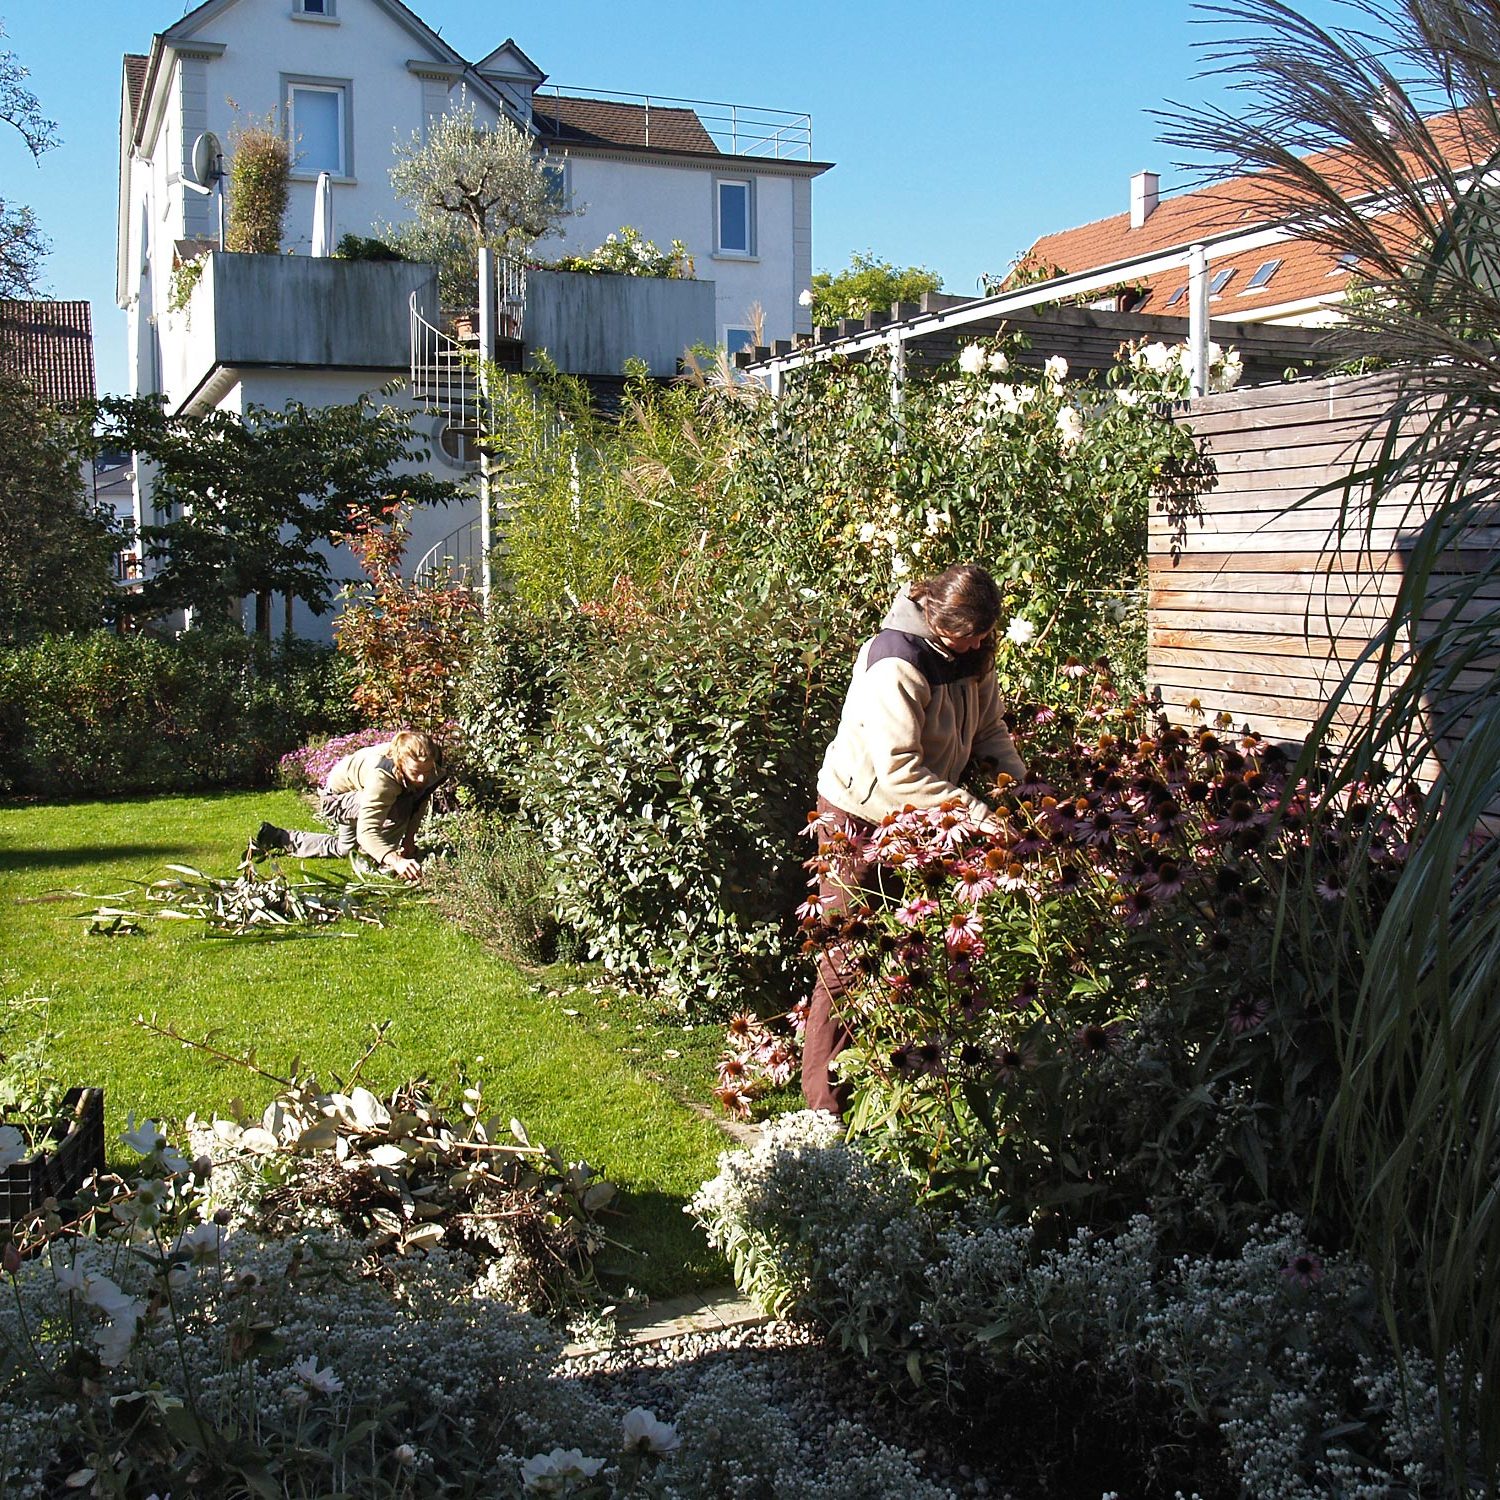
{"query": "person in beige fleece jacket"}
(922, 705)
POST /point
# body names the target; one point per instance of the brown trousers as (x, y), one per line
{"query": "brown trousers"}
(827, 1033)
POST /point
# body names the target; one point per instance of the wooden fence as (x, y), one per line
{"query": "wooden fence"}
(1257, 605)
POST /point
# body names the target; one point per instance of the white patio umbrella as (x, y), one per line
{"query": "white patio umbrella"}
(322, 231)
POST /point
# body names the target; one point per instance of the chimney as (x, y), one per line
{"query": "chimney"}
(1145, 193)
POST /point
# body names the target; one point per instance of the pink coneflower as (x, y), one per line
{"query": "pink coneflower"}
(812, 909)
(973, 884)
(796, 1017)
(1069, 879)
(733, 1073)
(1241, 816)
(735, 1101)
(1012, 878)
(1246, 1012)
(1166, 817)
(1010, 1063)
(1136, 907)
(1074, 668)
(1331, 886)
(965, 933)
(1094, 1040)
(1045, 715)
(914, 1059)
(914, 912)
(1028, 844)
(1168, 879)
(779, 1063)
(1303, 1270)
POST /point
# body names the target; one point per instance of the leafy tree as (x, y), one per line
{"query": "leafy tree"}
(22, 244)
(56, 548)
(867, 283)
(244, 503)
(487, 177)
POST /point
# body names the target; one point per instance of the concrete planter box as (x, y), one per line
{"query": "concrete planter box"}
(297, 311)
(591, 325)
(74, 1150)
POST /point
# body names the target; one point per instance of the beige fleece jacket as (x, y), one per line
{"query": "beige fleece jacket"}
(390, 812)
(913, 719)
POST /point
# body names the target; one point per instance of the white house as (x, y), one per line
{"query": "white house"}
(345, 80)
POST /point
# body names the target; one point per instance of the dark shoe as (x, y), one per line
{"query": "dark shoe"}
(269, 839)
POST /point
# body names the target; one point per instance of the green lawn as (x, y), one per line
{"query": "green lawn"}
(599, 1085)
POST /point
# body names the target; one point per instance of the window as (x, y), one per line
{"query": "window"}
(458, 447)
(324, 10)
(1177, 296)
(1263, 273)
(734, 211)
(555, 170)
(1346, 262)
(317, 126)
(736, 339)
(1221, 279)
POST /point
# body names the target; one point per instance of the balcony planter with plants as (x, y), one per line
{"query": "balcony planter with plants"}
(50, 1157)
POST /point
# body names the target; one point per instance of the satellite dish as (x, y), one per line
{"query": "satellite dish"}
(207, 162)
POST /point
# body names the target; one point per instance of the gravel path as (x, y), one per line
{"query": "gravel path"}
(809, 1388)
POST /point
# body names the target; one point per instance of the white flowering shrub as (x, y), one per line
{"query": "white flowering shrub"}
(1109, 1355)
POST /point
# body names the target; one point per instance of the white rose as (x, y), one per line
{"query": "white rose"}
(972, 360)
(999, 362)
(867, 532)
(1156, 357)
(1069, 425)
(1020, 631)
(1056, 369)
(805, 297)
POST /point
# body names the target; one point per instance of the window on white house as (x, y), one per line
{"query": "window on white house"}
(736, 339)
(735, 213)
(1346, 262)
(318, 128)
(313, 7)
(555, 170)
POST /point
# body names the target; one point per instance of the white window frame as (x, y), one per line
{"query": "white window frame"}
(737, 328)
(343, 90)
(327, 10)
(734, 252)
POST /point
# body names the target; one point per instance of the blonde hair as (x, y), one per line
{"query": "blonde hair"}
(411, 749)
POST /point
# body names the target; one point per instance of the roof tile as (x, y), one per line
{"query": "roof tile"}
(50, 345)
(568, 120)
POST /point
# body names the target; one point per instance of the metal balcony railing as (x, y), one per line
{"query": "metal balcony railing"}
(739, 129)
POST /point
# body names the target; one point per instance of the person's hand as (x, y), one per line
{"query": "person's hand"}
(403, 868)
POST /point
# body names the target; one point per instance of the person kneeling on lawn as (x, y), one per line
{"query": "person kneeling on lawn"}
(375, 799)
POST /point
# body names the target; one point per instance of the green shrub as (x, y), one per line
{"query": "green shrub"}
(495, 883)
(365, 247)
(670, 787)
(259, 171)
(102, 714)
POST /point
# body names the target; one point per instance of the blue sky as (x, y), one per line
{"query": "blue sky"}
(961, 129)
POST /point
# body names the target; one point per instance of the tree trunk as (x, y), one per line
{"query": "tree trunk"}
(263, 614)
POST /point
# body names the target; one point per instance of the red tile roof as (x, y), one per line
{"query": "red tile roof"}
(1244, 204)
(603, 122)
(50, 345)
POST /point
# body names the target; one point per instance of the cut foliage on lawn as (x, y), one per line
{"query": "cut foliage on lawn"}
(458, 1014)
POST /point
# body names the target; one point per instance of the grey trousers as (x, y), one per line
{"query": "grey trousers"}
(342, 810)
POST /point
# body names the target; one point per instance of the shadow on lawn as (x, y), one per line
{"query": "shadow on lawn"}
(15, 860)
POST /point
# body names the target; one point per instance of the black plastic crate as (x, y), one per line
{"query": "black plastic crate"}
(73, 1149)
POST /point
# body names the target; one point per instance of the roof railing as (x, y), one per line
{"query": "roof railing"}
(737, 129)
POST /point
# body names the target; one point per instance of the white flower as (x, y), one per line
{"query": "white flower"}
(148, 1139)
(1226, 371)
(405, 1454)
(972, 359)
(805, 297)
(1155, 357)
(643, 1431)
(550, 1473)
(1056, 369)
(938, 521)
(115, 1338)
(325, 1382)
(999, 362)
(1020, 631)
(867, 532)
(200, 1242)
(1127, 397)
(899, 566)
(1069, 425)
(13, 1147)
(1008, 398)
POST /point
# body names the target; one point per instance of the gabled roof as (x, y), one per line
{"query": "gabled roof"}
(568, 120)
(1239, 204)
(50, 345)
(509, 62)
